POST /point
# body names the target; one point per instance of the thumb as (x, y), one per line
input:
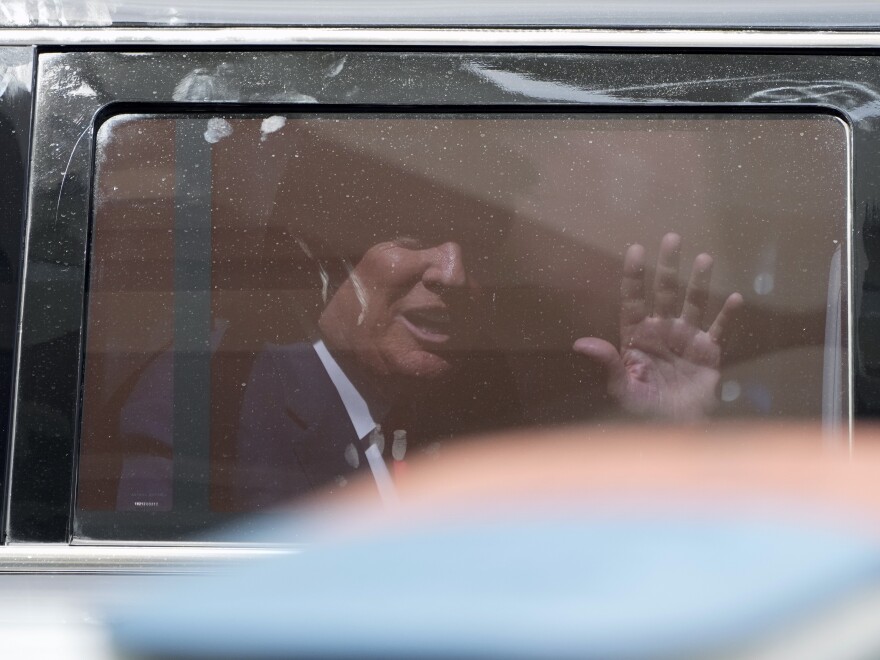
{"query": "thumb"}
(604, 353)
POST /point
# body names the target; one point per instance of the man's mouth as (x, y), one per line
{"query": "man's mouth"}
(430, 324)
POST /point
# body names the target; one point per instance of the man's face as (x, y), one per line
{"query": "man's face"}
(404, 310)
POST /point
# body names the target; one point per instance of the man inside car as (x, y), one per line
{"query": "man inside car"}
(407, 321)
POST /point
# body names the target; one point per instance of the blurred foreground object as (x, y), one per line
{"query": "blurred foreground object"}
(745, 541)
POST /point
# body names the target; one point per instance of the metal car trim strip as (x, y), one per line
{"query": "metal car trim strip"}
(437, 37)
(63, 558)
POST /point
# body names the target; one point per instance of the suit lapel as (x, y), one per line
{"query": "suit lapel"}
(314, 406)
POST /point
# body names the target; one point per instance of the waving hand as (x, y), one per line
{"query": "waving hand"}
(667, 365)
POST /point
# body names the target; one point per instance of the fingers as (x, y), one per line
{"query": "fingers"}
(725, 316)
(633, 307)
(696, 297)
(666, 278)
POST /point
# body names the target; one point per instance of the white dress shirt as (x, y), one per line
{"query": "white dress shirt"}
(361, 420)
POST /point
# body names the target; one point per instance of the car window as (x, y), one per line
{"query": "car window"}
(278, 301)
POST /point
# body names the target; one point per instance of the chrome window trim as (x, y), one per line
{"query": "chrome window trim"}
(72, 559)
(439, 37)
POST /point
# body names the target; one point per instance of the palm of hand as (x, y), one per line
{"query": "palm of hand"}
(667, 365)
(671, 369)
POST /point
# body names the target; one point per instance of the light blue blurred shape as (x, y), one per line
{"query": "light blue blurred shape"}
(575, 585)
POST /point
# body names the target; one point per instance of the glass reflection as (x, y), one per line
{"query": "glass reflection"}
(278, 302)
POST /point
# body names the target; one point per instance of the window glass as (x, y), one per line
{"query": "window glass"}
(278, 302)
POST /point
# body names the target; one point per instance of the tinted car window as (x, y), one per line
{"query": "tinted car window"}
(461, 254)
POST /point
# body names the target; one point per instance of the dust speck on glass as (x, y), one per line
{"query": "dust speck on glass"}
(276, 300)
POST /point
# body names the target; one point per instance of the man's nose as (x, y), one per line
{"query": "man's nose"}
(446, 267)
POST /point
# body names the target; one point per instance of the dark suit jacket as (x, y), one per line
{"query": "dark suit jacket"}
(293, 431)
